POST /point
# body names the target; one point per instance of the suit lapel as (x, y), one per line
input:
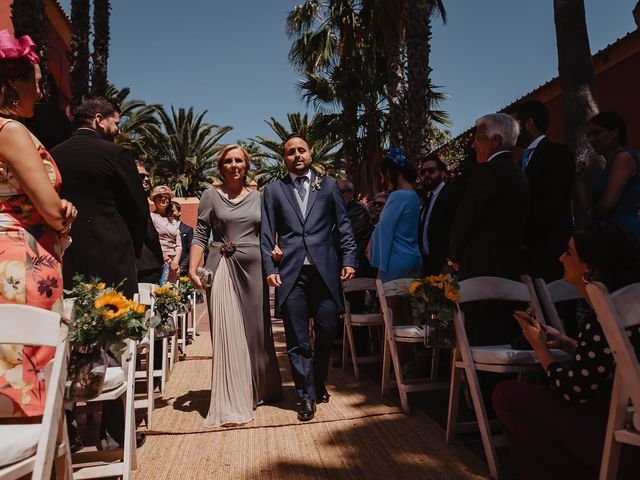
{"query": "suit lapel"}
(287, 189)
(313, 193)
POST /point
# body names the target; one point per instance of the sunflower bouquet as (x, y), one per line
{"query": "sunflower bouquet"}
(103, 318)
(185, 289)
(433, 300)
(101, 321)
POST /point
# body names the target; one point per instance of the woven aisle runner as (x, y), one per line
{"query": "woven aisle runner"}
(358, 435)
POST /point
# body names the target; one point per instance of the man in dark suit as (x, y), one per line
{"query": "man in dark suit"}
(436, 215)
(102, 180)
(549, 168)
(361, 227)
(151, 260)
(304, 210)
(186, 234)
(489, 228)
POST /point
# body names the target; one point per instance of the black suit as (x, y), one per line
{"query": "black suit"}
(186, 234)
(439, 229)
(151, 260)
(100, 178)
(550, 173)
(487, 239)
(362, 229)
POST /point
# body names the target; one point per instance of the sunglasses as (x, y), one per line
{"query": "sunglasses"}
(143, 175)
(430, 170)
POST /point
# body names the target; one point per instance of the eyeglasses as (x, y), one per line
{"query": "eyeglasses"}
(430, 170)
(143, 175)
(161, 199)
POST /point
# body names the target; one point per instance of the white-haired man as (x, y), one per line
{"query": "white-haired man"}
(489, 229)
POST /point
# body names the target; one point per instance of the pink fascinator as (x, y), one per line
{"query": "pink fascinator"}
(12, 48)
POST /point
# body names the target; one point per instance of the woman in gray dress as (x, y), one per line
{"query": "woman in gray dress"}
(244, 370)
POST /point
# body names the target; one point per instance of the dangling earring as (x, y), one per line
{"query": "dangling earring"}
(584, 277)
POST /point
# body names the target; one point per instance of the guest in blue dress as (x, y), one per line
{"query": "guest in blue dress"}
(394, 247)
(617, 192)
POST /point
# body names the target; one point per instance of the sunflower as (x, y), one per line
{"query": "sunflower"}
(451, 292)
(114, 304)
(184, 279)
(414, 286)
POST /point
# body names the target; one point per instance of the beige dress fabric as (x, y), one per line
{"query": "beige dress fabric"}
(231, 395)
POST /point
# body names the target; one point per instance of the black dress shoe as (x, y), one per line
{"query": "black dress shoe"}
(140, 439)
(322, 396)
(306, 410)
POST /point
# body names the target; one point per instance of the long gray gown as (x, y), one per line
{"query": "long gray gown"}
(245, 370)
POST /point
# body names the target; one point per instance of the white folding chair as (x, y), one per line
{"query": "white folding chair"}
(403, 333)
(352, 319)
(552, 293)
(34, 448)
(118, 381)
(145, 297)
(618, 313)
(173, 350)
(467, 361)
(192, 321)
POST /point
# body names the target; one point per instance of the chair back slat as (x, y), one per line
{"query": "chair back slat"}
(28, 325)
(144, 293)
(560, 290)
(397, 287)
(492, 288)
(616, 313)
(359, 284)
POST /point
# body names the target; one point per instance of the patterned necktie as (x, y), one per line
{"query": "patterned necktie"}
(300, 187)
(526, 156)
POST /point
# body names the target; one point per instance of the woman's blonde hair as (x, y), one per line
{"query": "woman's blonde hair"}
(222, 154)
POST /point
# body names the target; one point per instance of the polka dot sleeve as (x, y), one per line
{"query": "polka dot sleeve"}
(590, 372)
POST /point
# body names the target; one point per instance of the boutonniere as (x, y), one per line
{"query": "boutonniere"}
(317, 184)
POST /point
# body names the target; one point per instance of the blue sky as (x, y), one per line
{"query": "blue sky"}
(230, 56)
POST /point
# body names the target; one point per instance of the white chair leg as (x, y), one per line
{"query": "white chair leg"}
(183, 317)
(397, 369)
(616, 421)
(165, 364)
(435, 362)
(344, 344)
(62, 465)
(454, 401)
(352, 348)
(386, 368)
(173, 353)
(483, 422)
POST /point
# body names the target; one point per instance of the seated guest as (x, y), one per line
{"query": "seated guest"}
(168, 231)
(550, 170)
(394, 243)
(436, 215)
(617, 193)
(186, 234)
(489, 229)
(557, 431)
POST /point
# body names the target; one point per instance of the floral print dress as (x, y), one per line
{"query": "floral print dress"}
(30, 273)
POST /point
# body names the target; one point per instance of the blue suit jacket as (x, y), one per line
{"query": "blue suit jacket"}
(324, 235)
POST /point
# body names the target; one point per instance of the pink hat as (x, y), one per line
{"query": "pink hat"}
(161, 190)
(12, 48)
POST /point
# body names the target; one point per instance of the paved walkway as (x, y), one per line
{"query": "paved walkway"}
(358, 435)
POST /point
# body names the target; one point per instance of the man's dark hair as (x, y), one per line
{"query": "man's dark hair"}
(535, 110)
(89, 107)
(433, 157)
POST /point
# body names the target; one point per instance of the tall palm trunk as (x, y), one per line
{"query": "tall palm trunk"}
(101, 10)
(395, 87)
(575, 67)
(418, 28)
(29, 18)
(79, 52)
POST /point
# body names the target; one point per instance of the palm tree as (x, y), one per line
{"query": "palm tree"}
(29, 18)
(79, 52)
(577, 83)
(184, 150)
(418, 39)
(101, 10)
(269, 160)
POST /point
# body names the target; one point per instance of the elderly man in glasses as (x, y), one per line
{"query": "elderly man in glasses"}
(440, 202)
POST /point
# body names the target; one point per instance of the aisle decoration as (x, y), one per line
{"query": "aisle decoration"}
(101, 321)
(167, 300)
(433, 302)
(185, 290)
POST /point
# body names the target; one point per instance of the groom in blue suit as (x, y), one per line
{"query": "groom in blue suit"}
(306, 214)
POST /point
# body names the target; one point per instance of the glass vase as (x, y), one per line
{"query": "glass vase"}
(166, 327)
(86, 372)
